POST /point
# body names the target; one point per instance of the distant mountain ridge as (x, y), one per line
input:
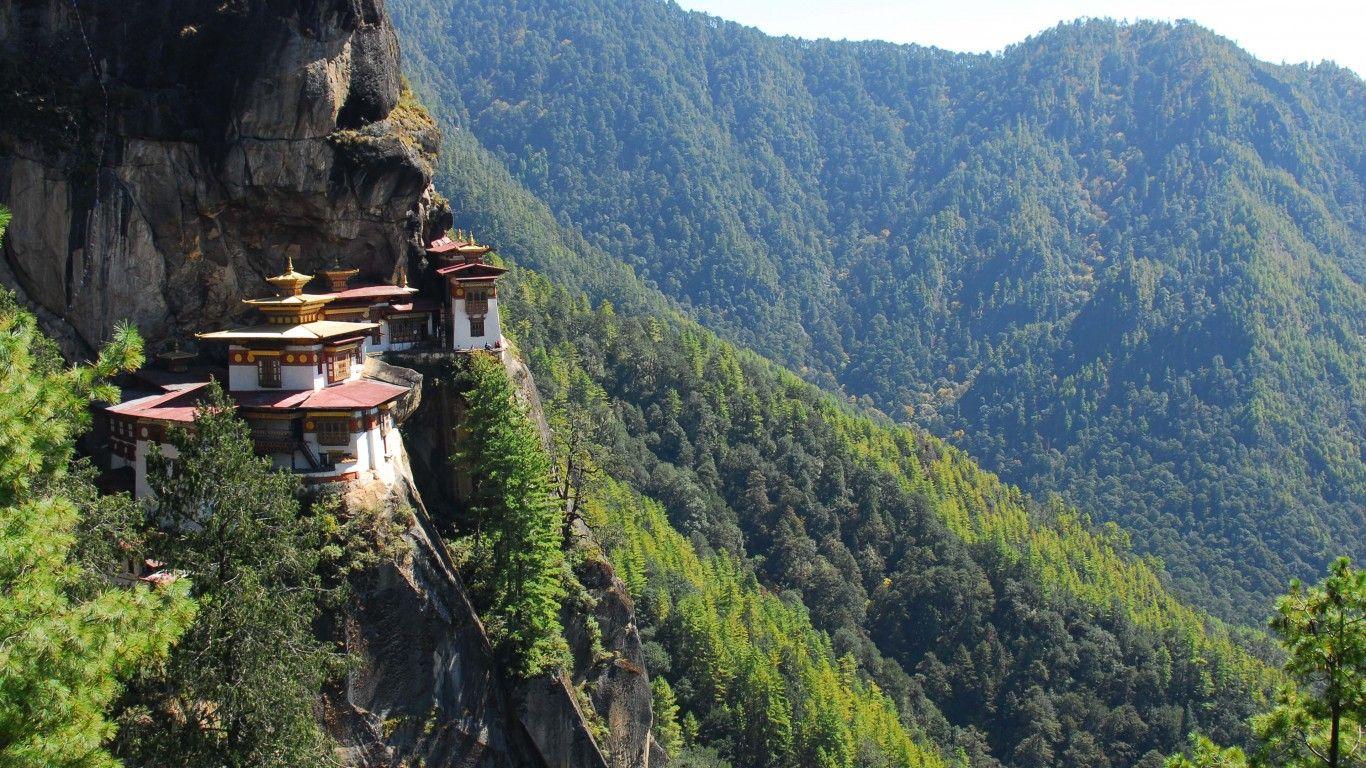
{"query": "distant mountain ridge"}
(1124, 260)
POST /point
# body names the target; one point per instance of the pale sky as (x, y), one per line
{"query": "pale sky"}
(1274, 30)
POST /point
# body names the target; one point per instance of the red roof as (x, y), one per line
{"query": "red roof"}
(447, 245)
(371, 292)
(177, 404)
(471, 270)
(441, 245)
(417, 305)
(365, 393)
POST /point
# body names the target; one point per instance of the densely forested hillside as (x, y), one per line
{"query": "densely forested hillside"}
(1125, 261)
(1005, 629)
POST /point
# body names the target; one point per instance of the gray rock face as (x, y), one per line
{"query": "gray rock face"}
(161, 157)
(612, 670)
(426, 689)
(219, 137)
(609, 723)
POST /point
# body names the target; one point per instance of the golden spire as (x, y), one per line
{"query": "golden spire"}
(175, 357)
(338, 276)
(291, 283)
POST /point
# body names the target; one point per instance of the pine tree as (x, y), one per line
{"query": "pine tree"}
(240, 689)
(70, 638)
(666, 730)
(1207, 754)
(1318, 720)
(518, 561)
(1323, 629)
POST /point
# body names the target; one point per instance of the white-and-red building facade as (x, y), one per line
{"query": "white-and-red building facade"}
(297, 380)
(471, 294)
(298, 376)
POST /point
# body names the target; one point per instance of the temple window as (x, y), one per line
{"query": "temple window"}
(268, 371)
(477, 326)
(339, 369)
(271, 435)
(333, 431)
(407, 329)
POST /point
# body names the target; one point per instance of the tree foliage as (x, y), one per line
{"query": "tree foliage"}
(1120, 262)
(1317, 721)
(1003, 626)
(1323, 630)
(70, 638)
(241, 688)
(757, 680)
(514, 522)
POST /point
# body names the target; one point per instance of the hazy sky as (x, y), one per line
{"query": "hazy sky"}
(1279, 30)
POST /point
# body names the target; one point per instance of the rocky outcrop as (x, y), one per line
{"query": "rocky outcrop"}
(599, 711)
(167, 154)
(609, 661)
(428, 690)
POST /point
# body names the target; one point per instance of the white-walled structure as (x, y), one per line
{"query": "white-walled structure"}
(298, 381)
(404, 319)
(472, 294)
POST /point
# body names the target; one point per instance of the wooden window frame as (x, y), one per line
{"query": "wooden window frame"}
(328, 428)
(482, 327)
(407, 330)
(341, 361)
(269, 364)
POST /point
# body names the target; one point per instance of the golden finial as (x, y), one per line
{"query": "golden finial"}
(290, 282)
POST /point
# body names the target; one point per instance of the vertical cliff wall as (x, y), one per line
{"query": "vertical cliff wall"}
(160, 157)
(599, 711)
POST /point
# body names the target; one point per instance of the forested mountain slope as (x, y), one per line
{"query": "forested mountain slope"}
(718, 482)
(1004, 629)
(1125, 261)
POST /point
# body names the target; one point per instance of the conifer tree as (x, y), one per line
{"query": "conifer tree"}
(518, 563)
(240, 689)
(666, 729)
(1318, 720)
(70, 638)
(1323, 630)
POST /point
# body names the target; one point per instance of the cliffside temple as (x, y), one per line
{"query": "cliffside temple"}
(298, 376)
(473, 321)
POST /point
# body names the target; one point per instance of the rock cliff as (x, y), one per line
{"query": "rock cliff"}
(161, 157)
(599, 712)
(427, 689)
(167, 154)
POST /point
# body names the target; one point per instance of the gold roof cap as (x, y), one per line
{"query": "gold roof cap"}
(291, 282)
